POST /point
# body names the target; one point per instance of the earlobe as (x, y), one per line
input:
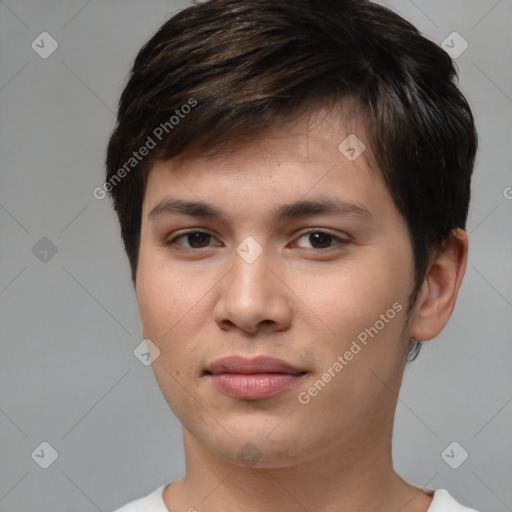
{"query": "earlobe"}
(440, 288)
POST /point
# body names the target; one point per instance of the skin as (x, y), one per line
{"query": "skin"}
(299, 302)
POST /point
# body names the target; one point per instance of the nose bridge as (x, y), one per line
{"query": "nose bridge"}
(250, 295)
(249, 278)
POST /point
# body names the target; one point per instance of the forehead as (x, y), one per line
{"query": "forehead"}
(329, 123)
(317, 153)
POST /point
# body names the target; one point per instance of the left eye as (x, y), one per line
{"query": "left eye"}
(320, 240)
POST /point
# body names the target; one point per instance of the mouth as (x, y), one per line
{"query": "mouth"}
(252, 378)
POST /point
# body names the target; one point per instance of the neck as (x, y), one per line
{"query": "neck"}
(354, 475)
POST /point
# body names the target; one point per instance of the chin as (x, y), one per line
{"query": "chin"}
(257, 445)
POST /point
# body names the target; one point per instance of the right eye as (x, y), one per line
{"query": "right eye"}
(193, 240)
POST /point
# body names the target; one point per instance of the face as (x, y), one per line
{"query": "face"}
(293, 259)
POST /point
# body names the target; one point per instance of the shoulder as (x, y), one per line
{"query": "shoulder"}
(443, 501)
(153, 502)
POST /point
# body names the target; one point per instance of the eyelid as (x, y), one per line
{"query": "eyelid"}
(175, 237)
(340, 239)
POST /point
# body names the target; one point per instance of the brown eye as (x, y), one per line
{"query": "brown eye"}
(193, 240)
(198, 239)
(319, 240)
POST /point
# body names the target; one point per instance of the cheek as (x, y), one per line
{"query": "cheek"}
(363, 305)
(174, 308)
(350, 304)
(352, 296)
(152, 302)
(172, 315)
(164, 293)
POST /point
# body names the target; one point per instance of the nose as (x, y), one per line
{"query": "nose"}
(253, 297)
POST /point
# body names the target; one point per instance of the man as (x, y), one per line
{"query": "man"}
(292, 181)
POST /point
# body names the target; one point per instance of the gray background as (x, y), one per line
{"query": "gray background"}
(69, 321)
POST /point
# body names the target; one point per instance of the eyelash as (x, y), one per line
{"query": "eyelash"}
(336, 238)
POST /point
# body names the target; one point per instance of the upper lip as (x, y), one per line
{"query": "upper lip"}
(259, 364)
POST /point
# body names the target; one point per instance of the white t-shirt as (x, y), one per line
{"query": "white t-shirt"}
(441, 502)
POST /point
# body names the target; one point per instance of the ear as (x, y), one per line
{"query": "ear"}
(440, 288)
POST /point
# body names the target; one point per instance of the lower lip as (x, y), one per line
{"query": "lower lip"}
(253, 386)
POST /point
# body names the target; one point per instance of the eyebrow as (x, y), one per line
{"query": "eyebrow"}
(193, 208)
(297, 209)
(307, 208)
